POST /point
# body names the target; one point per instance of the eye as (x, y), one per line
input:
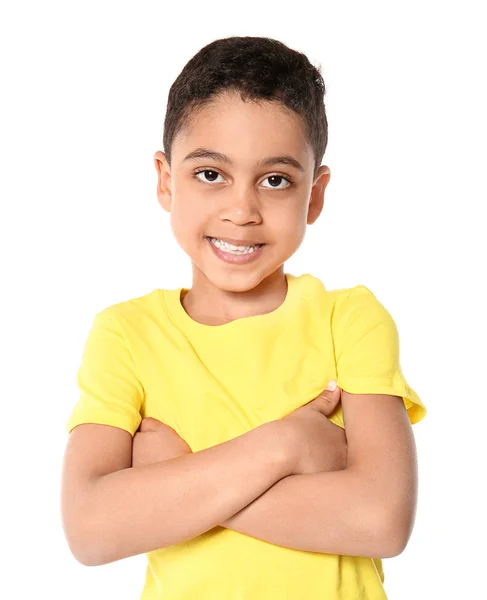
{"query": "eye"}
(281, 178)
(275, 177)
(213, 173)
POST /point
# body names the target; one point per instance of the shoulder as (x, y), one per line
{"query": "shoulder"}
(353, 295)
(340, 296)
(312, 287)
(133, 310)
(340, 305)
(358, 304)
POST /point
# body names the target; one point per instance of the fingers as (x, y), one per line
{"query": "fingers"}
(328, 399)
(151, 424)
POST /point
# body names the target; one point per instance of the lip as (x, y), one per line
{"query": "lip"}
(235, 242)
(236, 259)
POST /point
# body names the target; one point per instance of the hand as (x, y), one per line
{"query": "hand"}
(155, 441)
(317, 443)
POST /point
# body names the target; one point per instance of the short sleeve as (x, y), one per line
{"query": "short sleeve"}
(110, 392)
(366, 344)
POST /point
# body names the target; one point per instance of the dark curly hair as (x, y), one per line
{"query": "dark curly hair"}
(258, 68)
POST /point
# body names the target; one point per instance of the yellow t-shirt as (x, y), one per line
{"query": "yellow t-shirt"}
(146, 357)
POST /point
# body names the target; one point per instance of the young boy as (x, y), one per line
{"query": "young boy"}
(236, 484)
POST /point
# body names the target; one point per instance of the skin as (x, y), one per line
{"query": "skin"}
(241, 203)
(237, 201)
(380, 476)
(364, 509)
(154, 441)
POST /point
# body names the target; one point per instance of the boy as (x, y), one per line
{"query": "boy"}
(237, 485)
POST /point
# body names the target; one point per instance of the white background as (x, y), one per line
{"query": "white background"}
(84, 87)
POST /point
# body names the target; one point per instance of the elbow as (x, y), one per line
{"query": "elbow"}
(87, 560)
(390, 545)
(392, 534)
(86, 552)
(93, 555)
(83, 556)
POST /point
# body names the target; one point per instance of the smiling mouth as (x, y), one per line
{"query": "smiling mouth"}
(235, 256)
(233, 243)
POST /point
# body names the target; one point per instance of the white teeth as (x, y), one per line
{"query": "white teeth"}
(231, 248)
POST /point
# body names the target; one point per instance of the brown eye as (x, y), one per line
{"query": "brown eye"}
(212, 177)
(277, 179)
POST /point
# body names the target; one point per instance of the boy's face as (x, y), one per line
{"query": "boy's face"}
(242, 200)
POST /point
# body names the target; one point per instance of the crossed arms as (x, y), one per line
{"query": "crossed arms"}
(367, 509)
(111, 510)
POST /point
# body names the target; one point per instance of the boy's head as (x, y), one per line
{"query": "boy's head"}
(248, 99)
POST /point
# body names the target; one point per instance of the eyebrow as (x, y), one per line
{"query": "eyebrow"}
(265, 162)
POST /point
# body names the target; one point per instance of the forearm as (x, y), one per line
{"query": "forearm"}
(329, 512)
(141, 509)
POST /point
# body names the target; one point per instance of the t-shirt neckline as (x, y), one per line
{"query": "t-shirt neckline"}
(172, 299)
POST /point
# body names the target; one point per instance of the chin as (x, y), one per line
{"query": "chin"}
(236, 282)
(239, 281)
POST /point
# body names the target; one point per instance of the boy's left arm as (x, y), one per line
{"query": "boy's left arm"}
(367, 509)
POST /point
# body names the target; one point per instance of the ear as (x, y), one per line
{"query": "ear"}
(318, 194)
(163, 180)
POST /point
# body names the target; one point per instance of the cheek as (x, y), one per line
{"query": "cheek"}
(184, 208)
(188, 226)
(295, 236)
(184, 215)
(291, 226)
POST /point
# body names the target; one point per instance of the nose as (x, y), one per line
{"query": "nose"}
(242, 206)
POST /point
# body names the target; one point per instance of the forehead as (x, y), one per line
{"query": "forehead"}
(234, 126)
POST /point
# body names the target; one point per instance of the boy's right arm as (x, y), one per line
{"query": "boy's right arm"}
(112, 511)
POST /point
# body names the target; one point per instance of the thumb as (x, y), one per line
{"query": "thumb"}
(151, 424)
(329, 398)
